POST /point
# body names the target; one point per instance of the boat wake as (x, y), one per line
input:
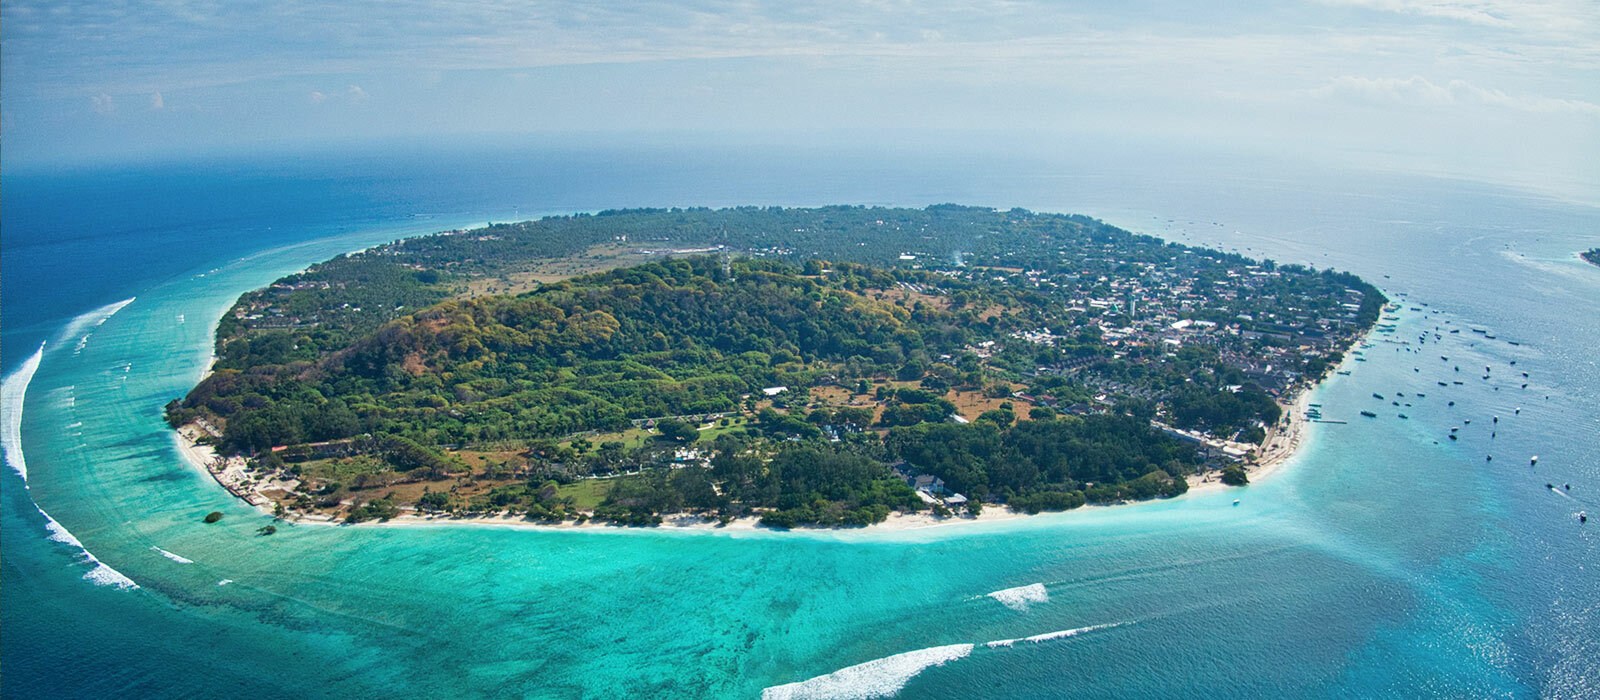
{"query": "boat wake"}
(1021, 597)
(170, 555)
(879, 678)
(885, 677)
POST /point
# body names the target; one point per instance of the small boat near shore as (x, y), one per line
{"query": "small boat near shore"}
(1369, 414)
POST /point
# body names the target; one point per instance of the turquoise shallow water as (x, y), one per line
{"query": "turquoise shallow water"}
(1384, 561)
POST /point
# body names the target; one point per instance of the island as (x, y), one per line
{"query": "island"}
(1592, 255)
(790, 367)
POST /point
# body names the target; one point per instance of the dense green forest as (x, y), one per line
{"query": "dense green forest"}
(674, 338)
(782, 374)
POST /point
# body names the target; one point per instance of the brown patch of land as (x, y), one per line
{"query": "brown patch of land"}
(971, 404)
(908, 298)
(598, 258)
(994, 311)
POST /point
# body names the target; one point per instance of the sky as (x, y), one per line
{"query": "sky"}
(1496, 90)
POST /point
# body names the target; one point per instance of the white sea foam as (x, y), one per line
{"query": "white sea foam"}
(13, 389)
(170, 555)
(1021, 597)
(1061, 634)
(84, 324)
(879, 678)
(13, 392)
(100, 572)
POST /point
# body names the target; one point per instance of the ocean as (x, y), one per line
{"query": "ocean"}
(1384, 561)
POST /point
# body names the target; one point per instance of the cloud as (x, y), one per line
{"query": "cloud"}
(157, 103)
(103, 104)
(1417, 90)
(1481, 13)
(1566, 21)
(352, 94)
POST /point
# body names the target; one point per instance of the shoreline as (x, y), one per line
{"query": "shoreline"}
(1282, 444)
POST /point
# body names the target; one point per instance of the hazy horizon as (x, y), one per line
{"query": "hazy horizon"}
(1503, 92)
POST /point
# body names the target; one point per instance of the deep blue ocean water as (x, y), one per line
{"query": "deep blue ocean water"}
(1384, 561)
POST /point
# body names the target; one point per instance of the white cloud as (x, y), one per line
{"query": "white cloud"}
(1417, 90)
(103, 104)
(1566, 20)
(317, 97)
(356, 94)
(1474, 12)
(157, 103)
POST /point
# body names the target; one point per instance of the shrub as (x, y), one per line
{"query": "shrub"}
(1234, 476)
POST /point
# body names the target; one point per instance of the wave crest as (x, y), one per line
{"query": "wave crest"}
(100, 572)
(1021, 597)
(13, 389)
(879, 678)
(170, 555)
(13, 396)
(1047, 636)
(84, 324)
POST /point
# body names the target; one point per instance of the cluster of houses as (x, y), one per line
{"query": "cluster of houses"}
(1239, 310)
(930, 489)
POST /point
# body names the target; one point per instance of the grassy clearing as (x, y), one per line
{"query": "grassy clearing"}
(587, 493)
(717, 429)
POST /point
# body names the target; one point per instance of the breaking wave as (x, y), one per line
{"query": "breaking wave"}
(13, 395)
(885, 677)
(1021, 597)
(1062, 634)
(83, 326)
(170, 555)
(13, 389)
(100, 572)
(879, 678)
